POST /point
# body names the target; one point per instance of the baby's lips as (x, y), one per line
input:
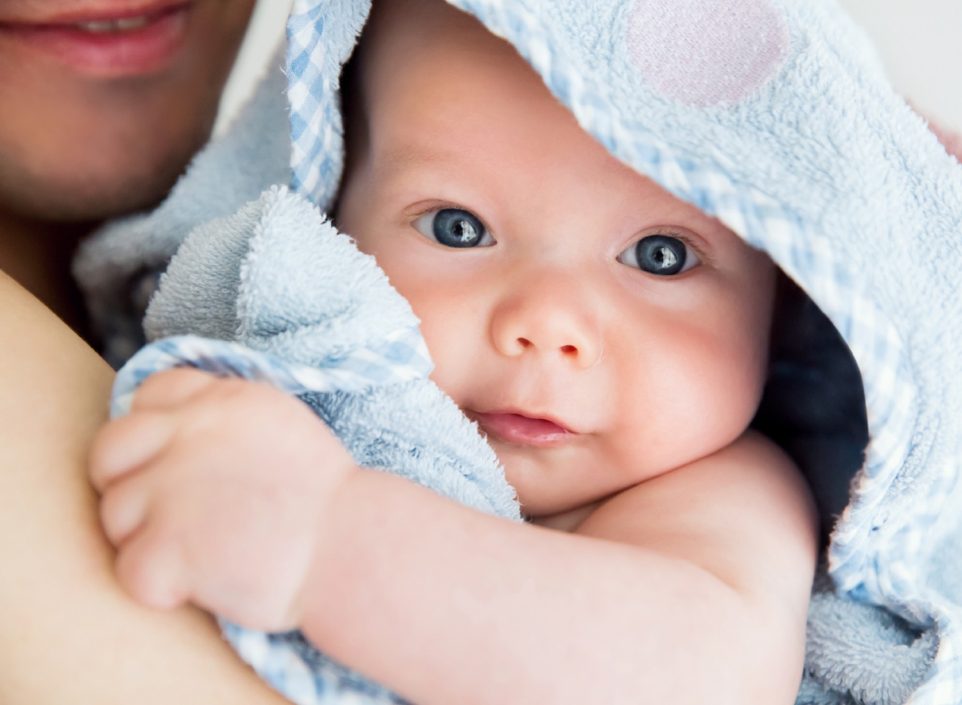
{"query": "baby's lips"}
(521, 429)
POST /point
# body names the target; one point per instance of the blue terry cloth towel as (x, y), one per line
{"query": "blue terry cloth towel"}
(773, 116)
(314, 316)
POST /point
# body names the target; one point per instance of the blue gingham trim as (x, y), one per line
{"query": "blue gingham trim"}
(401, 357)
(873, 560)
(315, 50)
(287, 661)
(305, 676)
(309, 95)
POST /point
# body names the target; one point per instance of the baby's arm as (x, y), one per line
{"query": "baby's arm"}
(690, 588)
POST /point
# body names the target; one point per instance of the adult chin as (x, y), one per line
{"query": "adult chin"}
(101, 114)
(84, 193)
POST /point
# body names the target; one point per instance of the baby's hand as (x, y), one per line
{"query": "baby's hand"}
(214, 491)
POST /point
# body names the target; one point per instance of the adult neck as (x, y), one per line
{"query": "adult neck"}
(38, 256)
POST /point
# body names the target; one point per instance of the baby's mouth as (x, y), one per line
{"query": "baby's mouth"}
(518, 429)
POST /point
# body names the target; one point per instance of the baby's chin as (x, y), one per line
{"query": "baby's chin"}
(541, 502)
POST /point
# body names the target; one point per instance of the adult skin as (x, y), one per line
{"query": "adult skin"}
(99, 121)
(103, 103)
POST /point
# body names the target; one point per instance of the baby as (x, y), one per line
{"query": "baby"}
(610, 341)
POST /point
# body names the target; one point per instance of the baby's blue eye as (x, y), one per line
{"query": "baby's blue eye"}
(454, 227)
(664, 255)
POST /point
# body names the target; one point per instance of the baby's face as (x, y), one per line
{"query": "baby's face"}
(599, 330)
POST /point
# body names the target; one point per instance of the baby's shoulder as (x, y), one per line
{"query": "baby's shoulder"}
(752, 458)
(751, 469)
(747, 503)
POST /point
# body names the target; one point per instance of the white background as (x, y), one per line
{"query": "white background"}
(920, 42)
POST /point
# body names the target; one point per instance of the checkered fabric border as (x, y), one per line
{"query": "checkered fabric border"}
(313, 69)
(312, 120)
(402, 357)
(870, 560)
(287, 661)
(301, 673)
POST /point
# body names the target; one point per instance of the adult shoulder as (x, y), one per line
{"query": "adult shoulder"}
(70, 633)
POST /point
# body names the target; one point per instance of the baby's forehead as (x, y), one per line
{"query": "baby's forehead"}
(495, 159)
(419, 43)
(446, 96)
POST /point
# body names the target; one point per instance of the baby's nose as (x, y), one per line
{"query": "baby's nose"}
(546, 323)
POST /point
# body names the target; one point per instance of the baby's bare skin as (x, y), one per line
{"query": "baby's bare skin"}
(615, 381)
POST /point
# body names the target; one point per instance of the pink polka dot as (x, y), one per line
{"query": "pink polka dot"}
(703, 52)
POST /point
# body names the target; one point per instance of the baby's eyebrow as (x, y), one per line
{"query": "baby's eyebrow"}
(407, 155)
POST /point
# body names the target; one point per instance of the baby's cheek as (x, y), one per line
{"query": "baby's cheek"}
(740, 345)
(452, 343)
(712, 387)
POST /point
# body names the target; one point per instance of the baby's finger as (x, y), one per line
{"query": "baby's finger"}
(127, 443)
(123, 506)
(153, 571)
(171, 388)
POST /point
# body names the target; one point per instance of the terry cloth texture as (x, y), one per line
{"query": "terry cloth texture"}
(118, 266)
(318, 319)
(775, 117)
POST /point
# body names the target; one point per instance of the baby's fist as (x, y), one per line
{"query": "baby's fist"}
(214, 491)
